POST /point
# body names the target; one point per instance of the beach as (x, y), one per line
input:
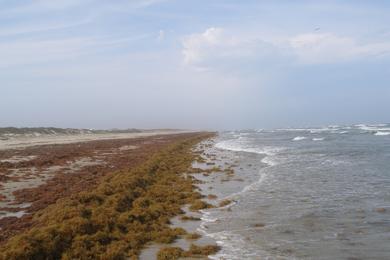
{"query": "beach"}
(52, 189)
(15, 141)
(235, 195)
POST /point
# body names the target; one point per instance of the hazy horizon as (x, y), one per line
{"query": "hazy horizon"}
(193, 64)
(295, 128)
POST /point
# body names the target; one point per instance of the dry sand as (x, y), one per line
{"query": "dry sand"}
(24, 141)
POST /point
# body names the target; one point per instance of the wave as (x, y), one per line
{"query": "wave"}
(235, 247)
(299, 138)
(312, 130)
(232, 145)
(318, 139)
(268, 159)
(373, 128)
(268, 151)
(336, 129)
(251, 186)
(382, 133)
(206, 218)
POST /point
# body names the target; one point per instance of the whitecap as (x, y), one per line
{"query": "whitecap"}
(377, 127)
(268, 160)
(299, 138)
(206, 217)
(252, 186)
(318, 139)
(311, 130)
(235, 146)
(235, 247)
(382, 133)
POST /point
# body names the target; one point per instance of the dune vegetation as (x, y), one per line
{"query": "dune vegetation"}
(124, 212)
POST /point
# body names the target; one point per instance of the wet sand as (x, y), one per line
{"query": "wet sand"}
(214, 185)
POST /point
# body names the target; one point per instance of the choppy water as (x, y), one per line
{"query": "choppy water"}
(320, 193)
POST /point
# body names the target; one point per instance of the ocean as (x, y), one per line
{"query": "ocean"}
(306, 193)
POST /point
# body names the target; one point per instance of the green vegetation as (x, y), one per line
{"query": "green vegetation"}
(115, 220)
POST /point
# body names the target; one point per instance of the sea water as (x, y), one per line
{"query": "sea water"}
(306, 193)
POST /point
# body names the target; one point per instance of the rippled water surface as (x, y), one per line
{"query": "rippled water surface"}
(319, 193)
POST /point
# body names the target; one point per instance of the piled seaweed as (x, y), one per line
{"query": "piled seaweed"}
(115, 220)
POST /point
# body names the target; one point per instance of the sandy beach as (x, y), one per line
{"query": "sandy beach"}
(41, 176)
(22, 141)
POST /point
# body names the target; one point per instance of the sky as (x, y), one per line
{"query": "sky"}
(199, 64)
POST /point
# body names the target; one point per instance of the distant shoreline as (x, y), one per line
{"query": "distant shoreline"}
(16, 141)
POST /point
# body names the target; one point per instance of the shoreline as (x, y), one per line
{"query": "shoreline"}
(219, 178)
(171, 163)
(236, 173)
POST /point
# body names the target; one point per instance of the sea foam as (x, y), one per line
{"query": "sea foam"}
(378, 127)
(382, 133)
(231, 145)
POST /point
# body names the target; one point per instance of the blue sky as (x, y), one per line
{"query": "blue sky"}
(193, 64)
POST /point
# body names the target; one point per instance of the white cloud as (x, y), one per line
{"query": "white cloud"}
(218, 47)
(198, 47)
